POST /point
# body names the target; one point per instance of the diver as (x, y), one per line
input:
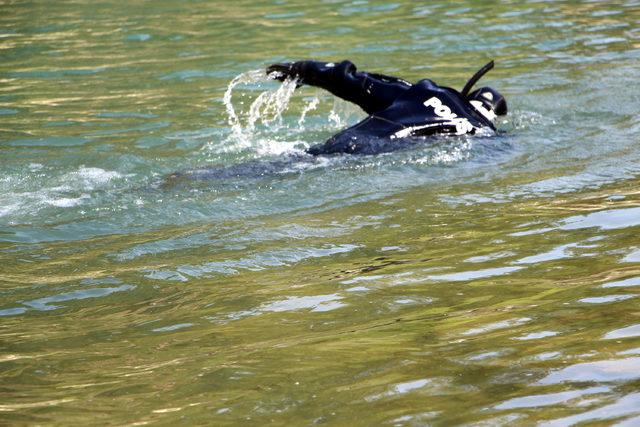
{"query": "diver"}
(397, 110)
(399, 114)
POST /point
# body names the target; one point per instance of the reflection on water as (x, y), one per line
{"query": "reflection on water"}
(549, 399)
(628, 332)
(606, 299)
(315, 303)
(633, 281)
(601, 371)
(45, 304)
(626, 405)
(169, 255)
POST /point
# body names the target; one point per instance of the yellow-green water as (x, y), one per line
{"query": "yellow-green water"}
(486, 281)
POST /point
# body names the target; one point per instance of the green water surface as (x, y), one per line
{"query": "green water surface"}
(472, 281)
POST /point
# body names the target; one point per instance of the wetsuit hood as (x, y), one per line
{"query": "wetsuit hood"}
(488, 102)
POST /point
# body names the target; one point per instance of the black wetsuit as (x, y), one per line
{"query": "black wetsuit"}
(397, 109)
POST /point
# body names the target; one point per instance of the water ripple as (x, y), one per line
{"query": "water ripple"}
(627, 332)
(257, 262)
(624, 406)
(601, 371)
(549, 399)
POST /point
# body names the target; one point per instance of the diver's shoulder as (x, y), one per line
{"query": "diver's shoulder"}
(430, 85)
(426, 83)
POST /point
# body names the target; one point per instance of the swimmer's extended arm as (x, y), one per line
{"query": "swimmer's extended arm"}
(372, 92)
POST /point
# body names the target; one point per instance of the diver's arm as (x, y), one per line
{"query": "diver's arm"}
(372, 92)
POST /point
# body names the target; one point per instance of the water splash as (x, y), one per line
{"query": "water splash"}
(459, 151)
(266, 108)
(312, 105)
(343, 114)
(261, 127)
(233, 119)
(522, 120)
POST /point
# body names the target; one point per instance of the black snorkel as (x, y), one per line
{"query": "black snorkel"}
(477, 76)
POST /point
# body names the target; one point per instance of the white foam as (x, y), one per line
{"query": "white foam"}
(91, 177)
(67, 202)
(268, 146)
(65, 191)
(451, 154)
(6, 209)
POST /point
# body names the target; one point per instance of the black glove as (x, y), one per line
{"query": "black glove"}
(283, 70)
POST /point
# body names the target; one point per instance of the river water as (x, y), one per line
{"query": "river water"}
(163, 260)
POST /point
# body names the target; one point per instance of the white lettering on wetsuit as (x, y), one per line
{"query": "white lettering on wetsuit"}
(462, 124)
(488, 114)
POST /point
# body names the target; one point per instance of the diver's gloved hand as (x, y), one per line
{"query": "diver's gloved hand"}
(312, 73)
(283, 70)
